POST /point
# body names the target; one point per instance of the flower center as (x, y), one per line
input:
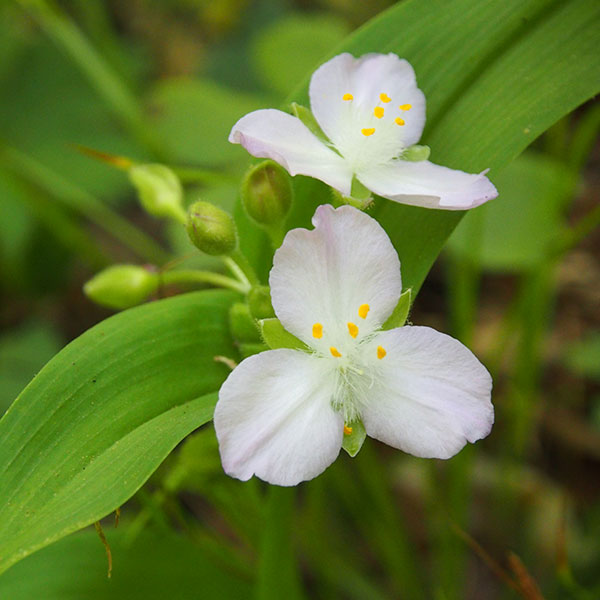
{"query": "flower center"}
(350, 358)
(372, 133)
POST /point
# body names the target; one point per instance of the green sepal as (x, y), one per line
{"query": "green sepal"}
(400, 313)
(416, 153)
(242, 325)
(249, 348)
(259, 302)
(275, 336)
(353, 442)
(309, 120)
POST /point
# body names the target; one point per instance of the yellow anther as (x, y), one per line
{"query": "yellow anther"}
(347, 97)
(384, 98)
(335, 352)
(352, 329)
(363, 311)
(378, 111)
(399, 121)
(318, 331)
(381, 352)
(368, 132)
(405, 106)
(347, 430)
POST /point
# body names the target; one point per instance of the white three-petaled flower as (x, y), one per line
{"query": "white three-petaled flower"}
(372, 112)
(281, 414)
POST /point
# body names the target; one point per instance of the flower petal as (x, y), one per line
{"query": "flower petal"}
(366, 78)
(274, 134)
(325, 275)
(425, 184)
(431, 395)
(274, 418)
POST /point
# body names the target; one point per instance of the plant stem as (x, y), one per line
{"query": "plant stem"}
(192, 276)
(237, 263)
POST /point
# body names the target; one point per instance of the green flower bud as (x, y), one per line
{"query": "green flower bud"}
(267, 193)
(121, 286)
(159, 191)
(259, 301)
(416, 153)
(211, 229)
(241, 324)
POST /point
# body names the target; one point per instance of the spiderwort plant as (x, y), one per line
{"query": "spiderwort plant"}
(282, 414)
(372, 115)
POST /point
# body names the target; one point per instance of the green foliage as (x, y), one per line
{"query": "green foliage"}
(101, 416)
(292, 47)
(519, 229)
(194, 117)
(155, 567)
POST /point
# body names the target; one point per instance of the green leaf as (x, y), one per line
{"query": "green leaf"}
(276, 336)
(400, 313)
(100, 417)
(153, 568)
(489, 71)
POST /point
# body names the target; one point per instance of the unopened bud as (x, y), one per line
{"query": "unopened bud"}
(159, 191)
(267, 193)
(211, 229)
(259, 301)
(121, 286)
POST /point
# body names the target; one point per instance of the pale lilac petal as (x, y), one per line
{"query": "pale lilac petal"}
(430, 394)
(274, 418)
(366, 78)
(274, 134)
(428, 185)
(325, 275)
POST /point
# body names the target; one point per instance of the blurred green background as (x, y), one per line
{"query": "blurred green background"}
(519, 282)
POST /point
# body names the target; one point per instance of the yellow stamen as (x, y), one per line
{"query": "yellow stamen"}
(363, 311)
(405, 106)
(378, 111)
(384, 98)
(368, 132)
(381, 352)
(352, 329)
(318, 331)
(399, 121)
(347, 97)
(347, 430)
(335, 352)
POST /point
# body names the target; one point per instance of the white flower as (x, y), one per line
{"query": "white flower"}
(372, 112)
(281, 414)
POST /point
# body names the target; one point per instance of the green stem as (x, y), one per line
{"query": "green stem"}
(194, 175)
(83, 203)
(106, 82)
(191, 276)
(240, 267)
